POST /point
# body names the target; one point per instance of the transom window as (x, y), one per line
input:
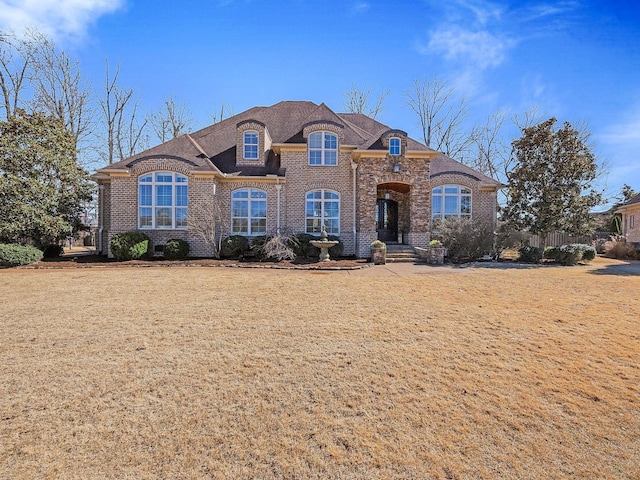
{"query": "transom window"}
(394, 146)
(450, 201)
(250, 145)
(323, 148)
(322, 206)
(249, 212)
(162, 200)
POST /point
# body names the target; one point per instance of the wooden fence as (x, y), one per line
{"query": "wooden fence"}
(559, 238)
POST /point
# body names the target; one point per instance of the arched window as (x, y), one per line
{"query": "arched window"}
(449, 201)
(249, 212)
(322, 206)
(250, 142)
(394, 146)
(162, 200)
(323, 148)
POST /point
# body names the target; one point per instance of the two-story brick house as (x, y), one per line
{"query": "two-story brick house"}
(292, 167)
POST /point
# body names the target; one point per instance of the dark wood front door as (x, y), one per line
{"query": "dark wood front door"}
(387, 220)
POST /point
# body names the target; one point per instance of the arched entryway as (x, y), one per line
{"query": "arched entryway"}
(392, 211)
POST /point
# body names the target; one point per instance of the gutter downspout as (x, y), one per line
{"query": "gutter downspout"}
(354, 167)
(100, 216)
(278, 189)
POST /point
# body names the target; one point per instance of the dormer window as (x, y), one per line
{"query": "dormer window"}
(394, 146)
(250, 145)
(323, 148)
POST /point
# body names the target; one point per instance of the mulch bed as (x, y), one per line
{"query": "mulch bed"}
(88, 261)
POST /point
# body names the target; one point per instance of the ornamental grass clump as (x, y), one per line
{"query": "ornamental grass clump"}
(14, 254)
(129, 246)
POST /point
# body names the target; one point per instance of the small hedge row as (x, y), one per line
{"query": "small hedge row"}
(14, 254)
(570, 254)
(236, 246)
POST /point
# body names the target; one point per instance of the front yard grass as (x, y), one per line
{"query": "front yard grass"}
(233, 373)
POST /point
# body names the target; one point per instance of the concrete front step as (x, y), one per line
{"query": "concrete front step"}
(398, 253)
(402, 259)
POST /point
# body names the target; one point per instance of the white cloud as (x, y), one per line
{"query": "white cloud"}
(55, 18)
(360, 7)
(480, 48)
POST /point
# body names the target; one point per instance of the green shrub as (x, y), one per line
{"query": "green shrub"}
(129, 245)
(338, 249)
(529, 254)
(303, 247)
(176, 249)
(52, 251)
(570, 254)
(257, 246)
(14, 254)
(588, 252)
(233, 246)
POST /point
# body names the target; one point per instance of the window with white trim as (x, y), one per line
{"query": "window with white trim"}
(394, 146)
(250, 145)
(448, 201)
(322, 206)
(249, 212)
(162, 201)
(323, 148)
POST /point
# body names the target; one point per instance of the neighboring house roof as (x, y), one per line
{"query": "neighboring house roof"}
(633, 203)
(214, 148)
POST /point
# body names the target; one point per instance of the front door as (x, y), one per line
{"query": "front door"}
(387, 220)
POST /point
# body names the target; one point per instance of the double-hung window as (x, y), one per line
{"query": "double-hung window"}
(394, 146)
(250, 142)
(323, 148)
(162, 201)
(249, 212)
(322, 206)
(450, 201)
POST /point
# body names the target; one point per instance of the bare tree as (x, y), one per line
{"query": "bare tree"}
(59, 88)
(125, 133)
(356, 100)
(531, 117)
(170, 121)
(16, 67)
(225, 112)
(204, 221)
(441, 116)
(492, 154)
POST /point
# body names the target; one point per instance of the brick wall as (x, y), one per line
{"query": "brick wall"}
(631, 224)
(302, 178)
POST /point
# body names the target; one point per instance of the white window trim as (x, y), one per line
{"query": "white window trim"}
(322, 217)
(244, 145)
(399, 147)
(323, 150)
(154, 205)
(459, 195)
(249, 217)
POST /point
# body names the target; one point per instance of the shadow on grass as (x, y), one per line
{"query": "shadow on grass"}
(630, 268)
(507, 265)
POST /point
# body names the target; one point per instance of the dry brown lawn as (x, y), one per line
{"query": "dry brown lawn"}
(437, 373)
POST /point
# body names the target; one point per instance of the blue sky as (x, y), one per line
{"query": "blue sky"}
(576, 60)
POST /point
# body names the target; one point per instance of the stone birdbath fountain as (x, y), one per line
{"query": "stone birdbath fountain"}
(324, 244)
